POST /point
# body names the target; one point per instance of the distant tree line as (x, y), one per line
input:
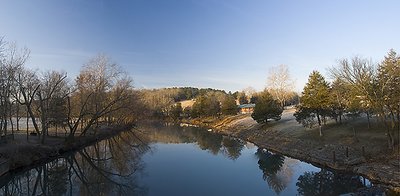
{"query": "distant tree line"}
(359, 87)
(214, 104)
(165, 103)
(101, 94)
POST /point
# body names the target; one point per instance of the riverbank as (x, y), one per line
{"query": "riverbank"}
(363, 153)
(20, 153)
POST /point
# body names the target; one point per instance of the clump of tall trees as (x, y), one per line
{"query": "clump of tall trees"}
(214, 104)
(266, 108)
(246, 96)
(102, 94)
(279, 93)
(165, 103)
(359, 87)
(315, 101)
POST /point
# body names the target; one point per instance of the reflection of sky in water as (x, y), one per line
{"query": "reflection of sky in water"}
(196, 162)
(184, 169)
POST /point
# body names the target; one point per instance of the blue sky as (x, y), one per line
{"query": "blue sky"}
(203, 43)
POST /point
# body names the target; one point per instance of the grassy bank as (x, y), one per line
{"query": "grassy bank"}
(350, 146)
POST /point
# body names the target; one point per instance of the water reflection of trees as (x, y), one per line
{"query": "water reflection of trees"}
(232, 147)
(208, 141)
(270, 164)
(108, 167)
(327, 183)
(213, 142)
(277, 174)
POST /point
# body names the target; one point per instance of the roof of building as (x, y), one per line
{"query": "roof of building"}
(250, 105)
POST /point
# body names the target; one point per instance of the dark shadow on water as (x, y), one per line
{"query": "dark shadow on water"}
(328, 183)
(212, 142)
(324, 182)
(115, 167)
(232, 147)
(270, 164)
(108, 167)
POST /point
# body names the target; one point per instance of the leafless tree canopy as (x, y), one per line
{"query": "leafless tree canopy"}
(101, 94)
(280, 84)
(372, 88)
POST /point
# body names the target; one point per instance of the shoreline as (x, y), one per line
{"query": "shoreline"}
(37, 154)
(382, 173)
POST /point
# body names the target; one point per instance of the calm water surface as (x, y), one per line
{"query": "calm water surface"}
(177, 161)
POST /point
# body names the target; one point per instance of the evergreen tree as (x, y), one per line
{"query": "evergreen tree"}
(206, 105)
(242, 98)
(253, 99)
(212, 106)
(198, 107)
(228, 106)
(186, 112)
(176, 111)
(315, 98)
(266, 108)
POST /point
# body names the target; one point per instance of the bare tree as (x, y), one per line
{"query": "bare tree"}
(280, 84)
(158, 101)
(100, 88)
(249, 92)
(11, 62)
(389, 89)
(362, 75)
(28, 84)
(102, 93)
(52, 87)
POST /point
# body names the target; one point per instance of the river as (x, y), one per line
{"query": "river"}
(178, 161)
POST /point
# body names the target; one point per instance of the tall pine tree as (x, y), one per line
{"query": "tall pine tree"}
(315, 99)
(228, 106)
(266, 108)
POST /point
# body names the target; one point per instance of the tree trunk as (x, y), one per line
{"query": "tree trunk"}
(388, 134)
(35, 125)
(4, 118)
(27, 126)
(12, 126)
(369, 122)
(390, 141)
(17, 114)
(319, 119)
(11, 121)
(43, 117)
(320, 130)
